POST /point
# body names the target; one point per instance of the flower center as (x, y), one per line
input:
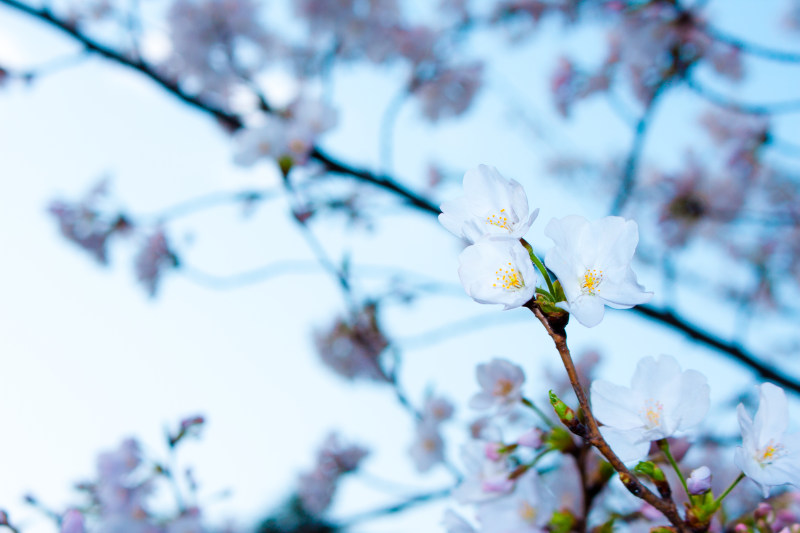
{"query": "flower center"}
(591, 281)
(652, 412)
(509, 278)
(527, 512)
(503, 387)
(500, 220)
(769, 453)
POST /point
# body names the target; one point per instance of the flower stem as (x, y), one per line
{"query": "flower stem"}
(664, 445)
(539, 412)
(540, 266)
(722, 496)
(665, 505)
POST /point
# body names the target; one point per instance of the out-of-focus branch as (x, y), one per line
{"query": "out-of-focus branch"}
(632, 161)
(413, 199)
(751, 48)
(230, 120)
(383, 512)
(731, 350)
(719, 99)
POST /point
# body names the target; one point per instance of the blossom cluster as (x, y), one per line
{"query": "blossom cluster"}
(317, 487)
(520, 484)
(590, 259)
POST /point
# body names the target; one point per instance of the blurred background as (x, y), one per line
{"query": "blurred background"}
(194, 192)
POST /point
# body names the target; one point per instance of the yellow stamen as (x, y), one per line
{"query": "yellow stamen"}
(509, 278)
(591, 281)
(503, 387)
(500, 220)
(769, 453)
(527, 512)
(652, 413)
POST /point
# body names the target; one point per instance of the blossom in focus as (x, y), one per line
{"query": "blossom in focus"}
(522, 511)
(592, 262)
(768, 455)
(501, 385)
(661, 401)
(492, 206)
(498, 272)
(699, 481)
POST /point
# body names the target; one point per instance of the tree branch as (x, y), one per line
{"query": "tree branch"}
(594, 437)
(731, 350)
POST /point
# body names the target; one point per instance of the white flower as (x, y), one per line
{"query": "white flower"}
(454, 523)
(428, 447)
(498, 272)
(592, 262)
(768, 456)
(491, 206)
(523, 511)
(699, 481)
(661, 401)
(501, 382)
(266, 141)
(485, 479)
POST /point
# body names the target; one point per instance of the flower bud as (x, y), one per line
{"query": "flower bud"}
(765, 512)
(493, 450)
(72, 522)
(699, 481)
(531, 438)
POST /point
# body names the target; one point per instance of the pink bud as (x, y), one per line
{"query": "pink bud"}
(531, 438)
(3, 518)
(492, 450)
(72, 522)
(764, 511)
(699, 481)
(498, 485)
(741, 528)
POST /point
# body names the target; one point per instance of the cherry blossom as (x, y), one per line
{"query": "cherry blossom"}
(498, 272)
(768, 455)
(661, 401)
(699, 481)
(592, 262)
(522, 511)
(501, 383)
(492, 206)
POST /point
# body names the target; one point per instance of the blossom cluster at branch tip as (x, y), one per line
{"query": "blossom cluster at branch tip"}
(592, 262)
(590, 259)
(661, 401)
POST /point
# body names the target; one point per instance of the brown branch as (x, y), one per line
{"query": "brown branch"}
(387, 183)
(229, 120)
(732, 351)
(594, 437)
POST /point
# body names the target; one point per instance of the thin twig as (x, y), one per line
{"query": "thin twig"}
(595, 438)
(719, 99)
